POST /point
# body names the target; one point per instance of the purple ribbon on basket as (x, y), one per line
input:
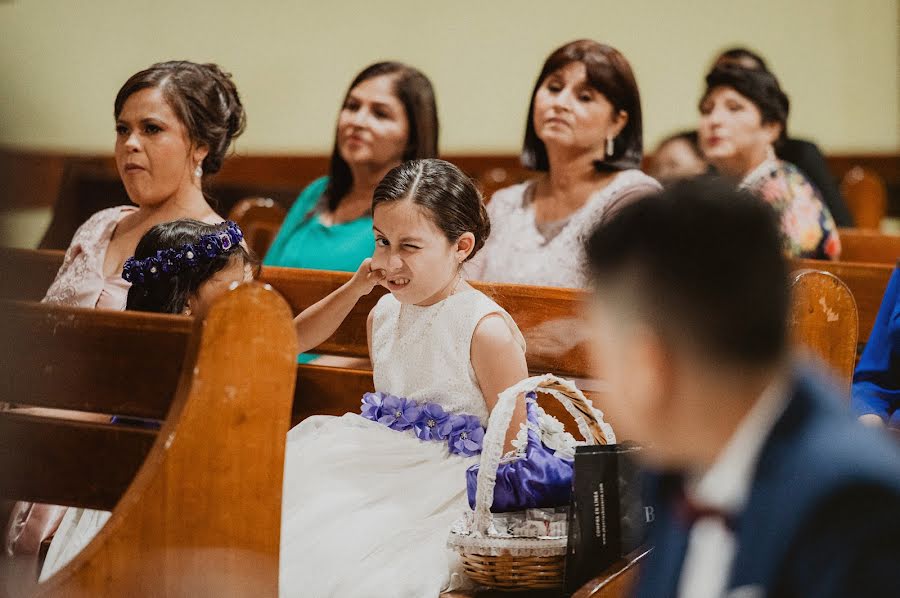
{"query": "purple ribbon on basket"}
(463, 433)
(540, 479)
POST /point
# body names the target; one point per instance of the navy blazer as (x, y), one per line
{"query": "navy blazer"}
(822, 518)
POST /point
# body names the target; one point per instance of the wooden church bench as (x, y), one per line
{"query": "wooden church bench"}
(862, 245)
(196, 504)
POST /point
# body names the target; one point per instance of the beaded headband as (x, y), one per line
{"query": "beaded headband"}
(190, 255)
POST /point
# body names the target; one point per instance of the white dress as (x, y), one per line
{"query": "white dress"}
(366, 510)
(516, 251)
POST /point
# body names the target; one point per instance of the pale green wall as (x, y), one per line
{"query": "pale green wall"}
(61, 62)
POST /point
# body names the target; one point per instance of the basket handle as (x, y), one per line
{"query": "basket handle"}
(594, 431)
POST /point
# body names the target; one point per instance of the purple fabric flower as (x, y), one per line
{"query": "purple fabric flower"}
(430, 424)
(398, 413)
(466, 435)
(371, 405)
(212, 246)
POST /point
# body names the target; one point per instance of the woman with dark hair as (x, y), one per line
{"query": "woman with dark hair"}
(743, 114)
(584, 135)
(388, 116)
(174, 122)
(803, 154)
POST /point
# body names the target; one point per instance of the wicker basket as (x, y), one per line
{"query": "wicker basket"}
(516, 563)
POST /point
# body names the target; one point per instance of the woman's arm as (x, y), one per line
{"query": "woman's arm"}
(499, 362)
(319, 321)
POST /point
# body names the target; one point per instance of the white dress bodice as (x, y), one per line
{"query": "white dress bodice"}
(424, 353)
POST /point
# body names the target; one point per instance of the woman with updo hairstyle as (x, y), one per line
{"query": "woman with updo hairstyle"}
(174, 124)
(388, 116)
(584, 137)
(743, 116)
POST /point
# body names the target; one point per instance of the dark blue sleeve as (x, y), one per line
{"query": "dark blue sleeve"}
(876, 382)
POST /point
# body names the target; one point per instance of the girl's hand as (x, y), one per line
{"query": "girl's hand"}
(365, 279)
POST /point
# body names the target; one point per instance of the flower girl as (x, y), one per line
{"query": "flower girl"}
(369, 497)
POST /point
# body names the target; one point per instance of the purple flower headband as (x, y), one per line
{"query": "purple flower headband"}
(190, 255)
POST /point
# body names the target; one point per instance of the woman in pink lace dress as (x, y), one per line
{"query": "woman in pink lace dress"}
(174, 124)
(584, 135)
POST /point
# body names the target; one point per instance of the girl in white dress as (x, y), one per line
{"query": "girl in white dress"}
(369, 497)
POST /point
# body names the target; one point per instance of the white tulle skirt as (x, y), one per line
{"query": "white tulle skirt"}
(366, 511)
(76, 530)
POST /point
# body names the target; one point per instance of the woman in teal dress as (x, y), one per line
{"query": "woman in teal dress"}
(388, 116)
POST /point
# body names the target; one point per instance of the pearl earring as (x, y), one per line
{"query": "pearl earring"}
(198, 172)
(610, 146)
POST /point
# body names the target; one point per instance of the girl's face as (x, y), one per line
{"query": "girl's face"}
(569, 112)
(420, 264)
(236, 272)
(732, 135)
(373, 128)
(154, 154)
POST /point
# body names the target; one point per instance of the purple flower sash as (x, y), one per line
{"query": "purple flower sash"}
(463, 433)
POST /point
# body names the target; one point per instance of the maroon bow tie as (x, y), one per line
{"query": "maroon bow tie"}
(688, 511)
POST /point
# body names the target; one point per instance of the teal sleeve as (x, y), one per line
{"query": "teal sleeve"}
(296, 215)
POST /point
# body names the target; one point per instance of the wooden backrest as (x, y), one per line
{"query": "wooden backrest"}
(866, 245)
(867, 283)
(866, 196)
(28, 273)
(202, 514)
(33, 272)
(260, 219)
(824, 320)
(547, 316)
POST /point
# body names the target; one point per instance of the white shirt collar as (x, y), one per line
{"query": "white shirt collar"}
(726, 483)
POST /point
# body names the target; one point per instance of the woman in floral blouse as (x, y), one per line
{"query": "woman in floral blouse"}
(743, 114)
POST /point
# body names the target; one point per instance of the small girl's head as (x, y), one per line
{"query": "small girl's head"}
(181, 267)
(428, 219)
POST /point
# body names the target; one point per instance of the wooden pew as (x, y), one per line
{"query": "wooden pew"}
(196, 505)
(34, 270)
(866, 196)
(867, 283)
(862, 245)
(260, 219)
(824, 319)
(26, 274)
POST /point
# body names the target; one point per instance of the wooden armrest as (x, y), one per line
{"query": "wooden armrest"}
(617, 581)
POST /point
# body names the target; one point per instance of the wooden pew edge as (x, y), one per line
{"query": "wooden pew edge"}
(624, 566)
(158, 469)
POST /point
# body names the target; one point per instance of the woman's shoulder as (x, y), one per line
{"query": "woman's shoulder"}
(793, 180)
(509, 198)
(100, 221)
(308, 198)
(633, 179)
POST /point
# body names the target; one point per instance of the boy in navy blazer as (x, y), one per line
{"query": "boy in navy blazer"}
(763, 484)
